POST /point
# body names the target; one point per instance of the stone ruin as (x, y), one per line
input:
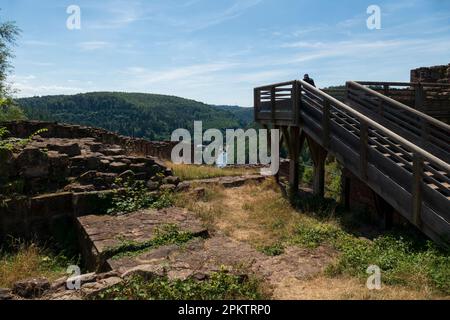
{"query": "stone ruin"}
(68, 173)
(434, 74)
(69, 170)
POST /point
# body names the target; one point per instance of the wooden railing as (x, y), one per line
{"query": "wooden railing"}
(277, 103)
(414, 181)
(432, 99)
(431, 134)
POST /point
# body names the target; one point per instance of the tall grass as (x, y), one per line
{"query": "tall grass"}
(194, 172)
(28, 260)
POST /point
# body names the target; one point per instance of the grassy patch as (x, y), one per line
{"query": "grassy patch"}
(25, 260)
(209, 208)
(273, 250)
(219, 286)
(401, 260)
(134, 195)
(272, 223)
(311, 235)
(167, 234)
(194, 172)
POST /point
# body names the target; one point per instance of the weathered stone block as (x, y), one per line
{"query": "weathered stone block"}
(51, 205)
(31, 288)
(70, 148)
(118, 167)
(33, 163)
(6, 165)
(92, 202)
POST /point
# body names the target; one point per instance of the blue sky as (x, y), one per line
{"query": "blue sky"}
(216, 51)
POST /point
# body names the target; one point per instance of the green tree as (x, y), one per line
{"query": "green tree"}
(8, 35)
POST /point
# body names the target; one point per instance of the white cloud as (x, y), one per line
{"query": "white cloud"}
(28, 90)
(146, 76)
(93, 45)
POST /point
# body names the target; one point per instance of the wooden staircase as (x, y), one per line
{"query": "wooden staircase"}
(400, 153)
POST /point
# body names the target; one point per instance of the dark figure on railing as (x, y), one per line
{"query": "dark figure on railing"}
(309, 80)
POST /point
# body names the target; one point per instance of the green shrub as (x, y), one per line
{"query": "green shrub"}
(313, 235)
(133, 195)
(307, 176)
(404, 258)
(219, 286)
(273, 250)
(164, 200)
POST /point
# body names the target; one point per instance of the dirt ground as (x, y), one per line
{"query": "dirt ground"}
(298, 273)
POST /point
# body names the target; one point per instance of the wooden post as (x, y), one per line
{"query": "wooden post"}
(285, 134)
(282, 140)
(364, 147)
(419, 97)
(296, 102)
(256, 105)
(384, 210)
(272, 103)
(319, 155)
(417, 188)
(294, 153)
(424, 132)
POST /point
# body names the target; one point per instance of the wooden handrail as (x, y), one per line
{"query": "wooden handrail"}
(275, 85)
(362, 118)
(402, 84)
(402, 106)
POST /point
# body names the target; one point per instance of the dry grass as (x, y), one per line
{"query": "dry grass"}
(194, 172)
(345, 288)
(255, 213)
(28, 261)
(259, 215)
(209, 207)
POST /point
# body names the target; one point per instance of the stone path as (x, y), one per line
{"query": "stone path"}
(198, 257)
(103, 232)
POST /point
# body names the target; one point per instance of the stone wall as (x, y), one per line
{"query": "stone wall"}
(35, 217)
(23, 129)
(70, 171)
(434, 74)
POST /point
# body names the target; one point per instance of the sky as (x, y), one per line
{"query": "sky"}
(217, 51)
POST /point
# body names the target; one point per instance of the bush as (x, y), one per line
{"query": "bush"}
(273, 250)
(403, 258)
(134, 195)
(10, 112)
(219, 286)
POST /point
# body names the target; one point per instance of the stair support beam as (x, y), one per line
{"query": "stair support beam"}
(319, 155)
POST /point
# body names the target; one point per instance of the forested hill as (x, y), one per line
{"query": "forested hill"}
(149, 116)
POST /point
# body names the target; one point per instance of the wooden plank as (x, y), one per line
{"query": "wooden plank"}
(417, 188)
(435, 226)
(326, 124)
(436, 201)
(294, 153)
(364, 144)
